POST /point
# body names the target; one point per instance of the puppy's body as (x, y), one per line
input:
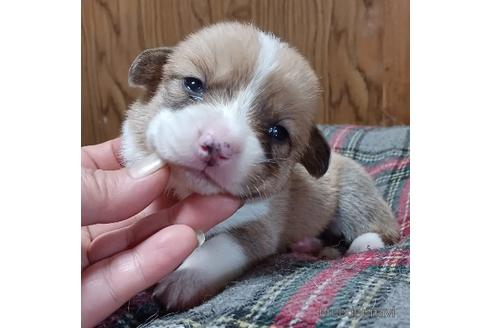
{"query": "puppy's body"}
(231, 109)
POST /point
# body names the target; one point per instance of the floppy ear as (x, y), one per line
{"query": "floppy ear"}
(146, 69)
(316, 158)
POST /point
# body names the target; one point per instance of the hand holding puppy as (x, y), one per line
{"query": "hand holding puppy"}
(133, 234)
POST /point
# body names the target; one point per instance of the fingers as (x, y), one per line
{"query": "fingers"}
(102, 156)
(109, 196)
(109, 283)
(198, 212)
(164, 200)
(204, 212)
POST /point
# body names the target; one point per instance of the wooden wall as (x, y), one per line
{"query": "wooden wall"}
(359, 48)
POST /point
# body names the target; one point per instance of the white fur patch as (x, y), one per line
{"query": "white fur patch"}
(217, 259)
(265, 64)
(165, 134)
(249, 212)
(365, 242)
(174, 135)
(267, 56)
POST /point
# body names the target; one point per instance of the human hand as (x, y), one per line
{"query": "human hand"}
(133, 234)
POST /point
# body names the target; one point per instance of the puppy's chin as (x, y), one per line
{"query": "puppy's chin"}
(186, 181)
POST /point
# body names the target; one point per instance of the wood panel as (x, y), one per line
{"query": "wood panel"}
(359, 49)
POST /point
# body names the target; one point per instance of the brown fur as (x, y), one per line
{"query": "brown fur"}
(297, 216)
(146, 70)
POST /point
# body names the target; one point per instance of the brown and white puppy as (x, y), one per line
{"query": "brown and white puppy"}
(231, 109)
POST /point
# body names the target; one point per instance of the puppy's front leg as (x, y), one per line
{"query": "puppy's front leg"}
(203, 274)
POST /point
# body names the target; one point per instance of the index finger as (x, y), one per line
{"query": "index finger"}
(105, 156)
(197, 212)
(166, 200)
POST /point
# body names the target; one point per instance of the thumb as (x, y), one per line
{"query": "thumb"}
(109, 196)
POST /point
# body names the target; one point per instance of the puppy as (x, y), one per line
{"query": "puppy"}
(231, 110)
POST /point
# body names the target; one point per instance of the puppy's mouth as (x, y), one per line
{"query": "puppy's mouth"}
(201, 175)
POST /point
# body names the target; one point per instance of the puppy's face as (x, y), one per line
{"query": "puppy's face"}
(231, 110)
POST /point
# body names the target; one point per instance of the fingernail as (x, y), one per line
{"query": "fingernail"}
(146, 166)
(200, 236)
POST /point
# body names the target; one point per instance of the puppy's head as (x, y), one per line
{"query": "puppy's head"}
(230, 108)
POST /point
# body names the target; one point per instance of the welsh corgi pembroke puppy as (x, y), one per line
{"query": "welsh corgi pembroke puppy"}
(231, 110)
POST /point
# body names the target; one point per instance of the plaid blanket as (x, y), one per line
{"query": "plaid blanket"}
(369, 289)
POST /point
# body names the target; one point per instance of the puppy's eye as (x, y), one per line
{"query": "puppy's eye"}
(193, 86)
(278, 133)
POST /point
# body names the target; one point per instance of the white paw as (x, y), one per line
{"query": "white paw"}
(365, 242)
(183, 289)
(202, 275)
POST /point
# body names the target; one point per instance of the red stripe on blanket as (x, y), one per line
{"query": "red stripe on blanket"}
(338, 137)
(311, 301)
(404, 210)
(391, 164)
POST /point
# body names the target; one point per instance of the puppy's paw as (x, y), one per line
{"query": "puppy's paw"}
(202, 275)
(184, 289)
(365, 242)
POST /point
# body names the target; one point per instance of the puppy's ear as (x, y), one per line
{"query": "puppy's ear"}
(146, 69)
(316, 158)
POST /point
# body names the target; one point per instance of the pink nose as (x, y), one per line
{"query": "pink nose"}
(212, 150)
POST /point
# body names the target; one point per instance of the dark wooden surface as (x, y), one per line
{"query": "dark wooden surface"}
(359, 48)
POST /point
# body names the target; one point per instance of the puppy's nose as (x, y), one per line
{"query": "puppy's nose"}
(212, 150)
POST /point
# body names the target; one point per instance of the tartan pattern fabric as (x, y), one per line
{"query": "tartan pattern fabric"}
(369, 289)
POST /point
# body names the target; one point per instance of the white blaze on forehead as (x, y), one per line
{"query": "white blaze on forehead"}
(266, 62)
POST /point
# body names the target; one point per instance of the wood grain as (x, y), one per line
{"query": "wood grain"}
(359, 48)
